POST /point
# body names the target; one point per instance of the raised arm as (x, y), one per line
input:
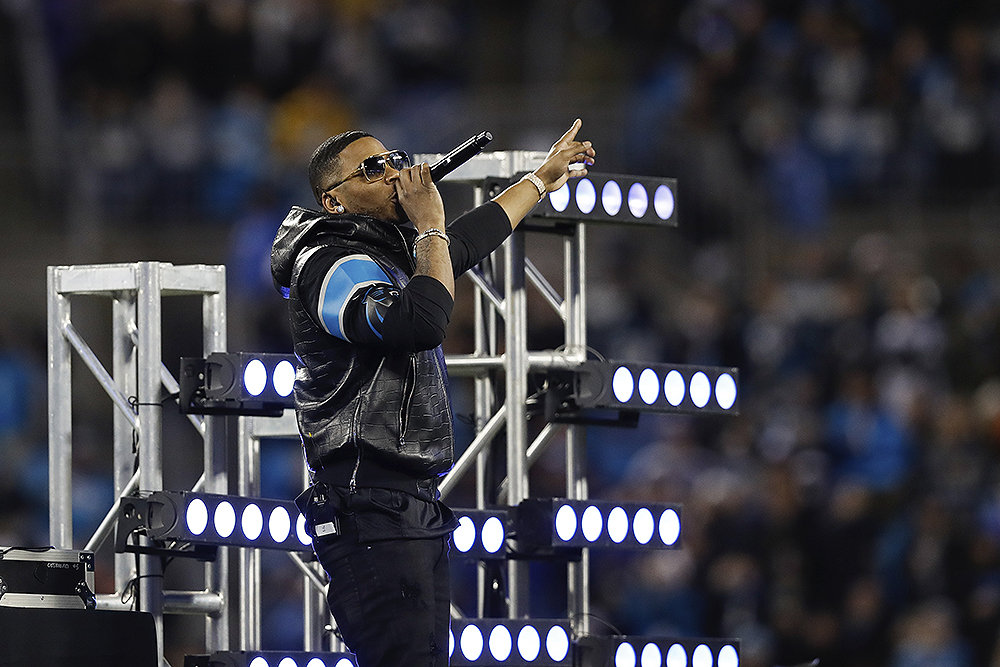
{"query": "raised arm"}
(518, 200)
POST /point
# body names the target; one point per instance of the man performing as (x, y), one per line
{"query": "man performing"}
(369, 299)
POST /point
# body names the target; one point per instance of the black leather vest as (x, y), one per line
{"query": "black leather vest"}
(366, 416)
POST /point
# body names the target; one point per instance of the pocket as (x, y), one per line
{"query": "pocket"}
(388, 500)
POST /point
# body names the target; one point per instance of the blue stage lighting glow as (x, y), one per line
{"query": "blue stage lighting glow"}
(586, 196)
(725, 391)
(255, 377)
(279, 524)
(701, 389)
(643, 525)
(252, 522)
(592, 523)
(611, 198)
(649, 386)
(663, 202)
(650, 656)
(196, 516)
(617, 525)
(283, 377)
(557, 643)
(566, 523)
(225, 519)
(625, 655)
(464, 536)
(622, 384)
(702, 656)
(529, 643)
(669, 526)
(501, 643)
(673, 388)
(494, 534)
(638, 200)
(560, 198)
(471, 643)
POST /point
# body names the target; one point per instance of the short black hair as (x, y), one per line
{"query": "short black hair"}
(326, 160)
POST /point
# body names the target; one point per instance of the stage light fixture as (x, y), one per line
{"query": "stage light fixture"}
(244, 383)
(559, 522)
(481, 534)
(516, 642)
(614, 198)
(636, 651)
(271, 659)
(639, 386)
(213, 519)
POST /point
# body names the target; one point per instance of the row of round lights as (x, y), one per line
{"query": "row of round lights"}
(491, 536)
(624, 386)
(591, 524)
(501, 643)
(255, 377)
(611, 199)
(198, 517)
(289, 661)
(651, 655)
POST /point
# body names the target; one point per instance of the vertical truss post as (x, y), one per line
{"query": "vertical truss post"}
(124, 362)
(248, 485)
(149, 322)
(213, 316)
(516, 350)
(60, 417)
(575, 313)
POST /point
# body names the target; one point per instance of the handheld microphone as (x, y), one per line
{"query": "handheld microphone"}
(460, 155)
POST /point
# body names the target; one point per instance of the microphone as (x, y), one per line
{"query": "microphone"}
(460, 155)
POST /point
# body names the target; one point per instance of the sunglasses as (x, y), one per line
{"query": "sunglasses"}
(373, 168)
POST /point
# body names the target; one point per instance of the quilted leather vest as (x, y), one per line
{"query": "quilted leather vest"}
(366, 416)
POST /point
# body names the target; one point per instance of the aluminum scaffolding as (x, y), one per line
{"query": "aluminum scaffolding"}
(135, 385)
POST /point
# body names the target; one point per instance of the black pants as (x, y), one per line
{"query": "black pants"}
(391, 599)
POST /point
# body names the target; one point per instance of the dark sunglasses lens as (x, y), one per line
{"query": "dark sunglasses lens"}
(399, 160)
(373, 167)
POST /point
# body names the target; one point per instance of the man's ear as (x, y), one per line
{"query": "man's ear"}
(331, 205)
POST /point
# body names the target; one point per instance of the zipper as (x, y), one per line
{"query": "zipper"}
(410, 386)
(352, 486)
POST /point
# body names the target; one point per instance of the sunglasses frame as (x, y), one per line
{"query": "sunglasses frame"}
(385, 159)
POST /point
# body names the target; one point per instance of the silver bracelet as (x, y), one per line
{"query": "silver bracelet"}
(427, 234)
(532, 178)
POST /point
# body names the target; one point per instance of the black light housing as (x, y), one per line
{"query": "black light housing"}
(481, 534)
(271, 659)
(244, 383)
(635, 651)
(564, 523)
(515, 642)
(214, 519)
(647, 387)
(614, 198)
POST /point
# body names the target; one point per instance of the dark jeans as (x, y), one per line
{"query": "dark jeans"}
(391, 599)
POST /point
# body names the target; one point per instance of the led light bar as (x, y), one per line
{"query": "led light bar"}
(501, 641)
(634, 385)
(271, 659)
(481, 534)
(635, 651)
(558, 522)
(613, 198)
(220, 520)
(237, 383)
